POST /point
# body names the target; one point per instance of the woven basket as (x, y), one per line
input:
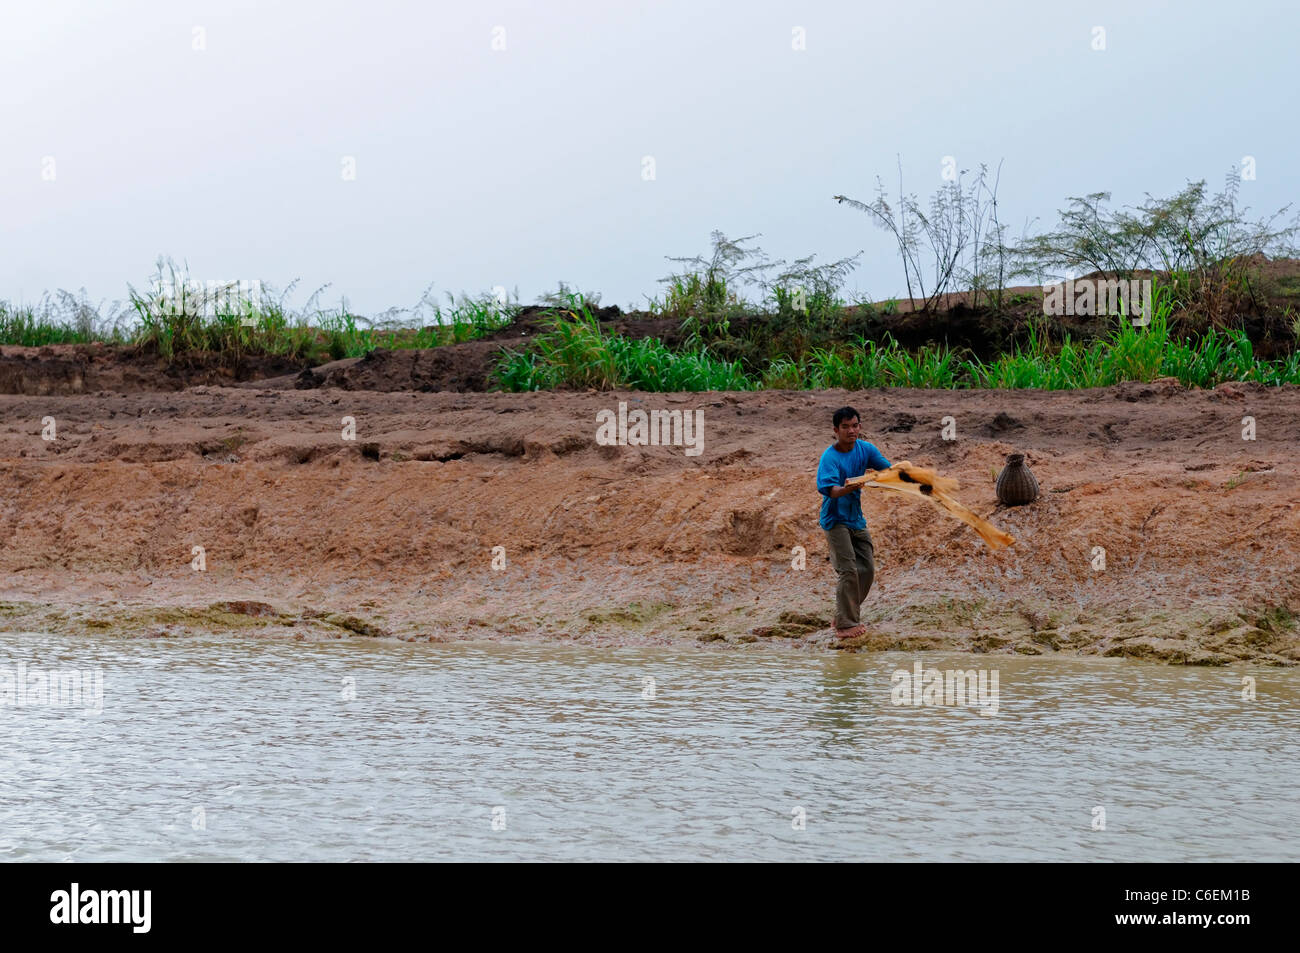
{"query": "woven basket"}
(1016, 485)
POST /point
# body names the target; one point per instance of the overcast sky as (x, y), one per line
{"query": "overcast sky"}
(219, 133)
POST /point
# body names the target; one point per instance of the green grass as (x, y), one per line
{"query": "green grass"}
(1133, 354)
(177, 319)
(235, 325)
(62, 318)
(575, 352)
(24, 327)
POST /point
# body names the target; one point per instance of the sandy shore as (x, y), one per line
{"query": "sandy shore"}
(306, 535)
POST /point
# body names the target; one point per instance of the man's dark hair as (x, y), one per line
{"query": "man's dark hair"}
(844, 413)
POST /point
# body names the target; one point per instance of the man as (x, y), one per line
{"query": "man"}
(852, 552)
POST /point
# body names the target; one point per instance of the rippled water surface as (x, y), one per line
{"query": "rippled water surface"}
(234, 749)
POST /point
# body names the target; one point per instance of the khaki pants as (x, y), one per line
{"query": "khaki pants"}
(854, 557)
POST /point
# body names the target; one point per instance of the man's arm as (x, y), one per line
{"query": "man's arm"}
(875, 459)
(829, 481)
(875, 463)
(855, 483)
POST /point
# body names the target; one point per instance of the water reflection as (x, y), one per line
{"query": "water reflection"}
(235, 749)
(845, 700)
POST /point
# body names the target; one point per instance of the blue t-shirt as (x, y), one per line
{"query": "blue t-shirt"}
(833, 470)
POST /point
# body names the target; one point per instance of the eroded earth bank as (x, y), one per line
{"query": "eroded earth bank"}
(307, 535)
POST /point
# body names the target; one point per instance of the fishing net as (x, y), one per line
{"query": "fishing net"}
(919, 482)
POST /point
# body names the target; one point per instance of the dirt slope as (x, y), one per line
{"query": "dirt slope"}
(307, 534)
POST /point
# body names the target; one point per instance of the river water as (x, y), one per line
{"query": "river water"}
(226, 749)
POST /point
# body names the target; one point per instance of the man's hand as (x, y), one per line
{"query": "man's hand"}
(851, 485)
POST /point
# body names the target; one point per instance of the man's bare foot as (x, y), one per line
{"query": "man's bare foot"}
(851, 633)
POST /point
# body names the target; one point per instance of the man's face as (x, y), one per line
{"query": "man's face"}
(847, 431)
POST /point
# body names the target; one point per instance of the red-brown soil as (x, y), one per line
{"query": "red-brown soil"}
(392, 534)
(90, 368)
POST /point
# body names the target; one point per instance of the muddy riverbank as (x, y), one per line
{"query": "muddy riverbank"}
(395, 534)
